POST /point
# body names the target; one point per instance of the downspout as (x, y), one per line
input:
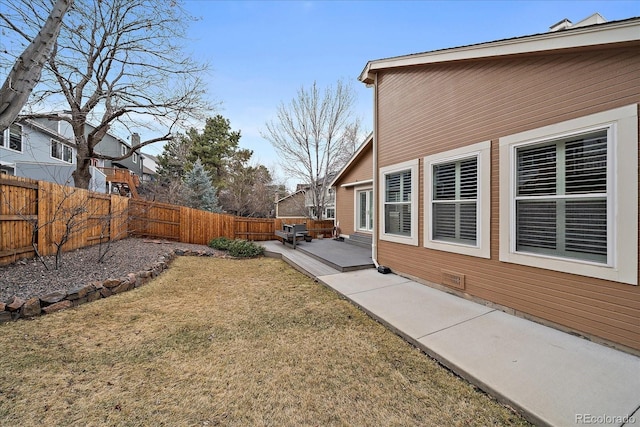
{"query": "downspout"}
(374, 237)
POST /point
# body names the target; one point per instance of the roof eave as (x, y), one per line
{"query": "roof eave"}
(594, 35)
(368, 140)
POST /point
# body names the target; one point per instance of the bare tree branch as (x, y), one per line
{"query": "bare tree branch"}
(119, 63)
(311, 135)
(27, 69)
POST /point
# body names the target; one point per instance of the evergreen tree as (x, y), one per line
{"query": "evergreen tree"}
(200, 192)
(216, 147)
(173, 163)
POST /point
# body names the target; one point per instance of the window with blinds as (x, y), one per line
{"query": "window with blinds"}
(397, 203)
(561, 203)
(454, 201)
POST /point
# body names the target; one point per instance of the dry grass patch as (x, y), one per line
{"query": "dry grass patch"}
(227, 342)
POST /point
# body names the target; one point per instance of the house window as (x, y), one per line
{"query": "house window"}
(454, 201)
(568, 196)
(330, 213)
(561, 200)
(135, 157)
(61, 151)
(123, 150)
(457, 200)
(11, 138)
(399, 185)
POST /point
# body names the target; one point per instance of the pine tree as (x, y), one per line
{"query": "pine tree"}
(200, 192)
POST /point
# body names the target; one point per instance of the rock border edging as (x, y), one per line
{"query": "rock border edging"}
(17, 308)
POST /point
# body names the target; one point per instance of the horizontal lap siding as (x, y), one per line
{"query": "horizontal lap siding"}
(423, 111)
(361, 170)
(345, 210)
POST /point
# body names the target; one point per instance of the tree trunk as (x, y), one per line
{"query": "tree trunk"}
(82, 174)
(26, 71)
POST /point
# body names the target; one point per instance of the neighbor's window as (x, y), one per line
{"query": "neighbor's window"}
(61, 151)
(123, 150)
(561, 197)
(11, 138)
(399, 202)
(135, 157)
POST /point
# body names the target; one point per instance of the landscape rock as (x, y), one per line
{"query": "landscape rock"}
(14, 303)
(92, 296)
(105, 292)
(111, 283)
(80, 292)
(57, 306)
(79, 301)
(31, 307)
(52, 298)
(5, 316)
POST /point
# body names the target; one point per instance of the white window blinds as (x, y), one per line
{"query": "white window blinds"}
(561, 197)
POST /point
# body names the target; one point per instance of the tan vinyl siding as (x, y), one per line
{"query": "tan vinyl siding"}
(360, 170)
(427, 110)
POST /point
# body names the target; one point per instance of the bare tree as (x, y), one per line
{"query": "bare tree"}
(119, 63)
(311, 135)
(27, 68)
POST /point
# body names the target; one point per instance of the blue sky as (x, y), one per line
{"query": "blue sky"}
(262, 52)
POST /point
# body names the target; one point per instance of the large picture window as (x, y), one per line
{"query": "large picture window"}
(399, 202)
(561, 197)
(569, 196)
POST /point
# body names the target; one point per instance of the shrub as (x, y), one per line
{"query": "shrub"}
(244, 249)
(220, 243)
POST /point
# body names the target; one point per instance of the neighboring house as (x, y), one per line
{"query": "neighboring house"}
(353, 188)
(301, 203)
(292, 206)
(329, 207)
(32, 150)
(45, 149)
(507, 172)
(149, 168)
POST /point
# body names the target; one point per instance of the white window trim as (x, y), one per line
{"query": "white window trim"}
(73, 154)
(6, 144)
(134, 158)
(622, 196)
(413, 166)
(123, 149)
(482, 248)
(356, 213)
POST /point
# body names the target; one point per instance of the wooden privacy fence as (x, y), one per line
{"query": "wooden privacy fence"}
(42, 215)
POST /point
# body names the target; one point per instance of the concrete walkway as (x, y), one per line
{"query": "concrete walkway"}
(551, 377)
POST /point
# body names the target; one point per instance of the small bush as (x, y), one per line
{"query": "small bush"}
(244, 249)
(220, 243)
